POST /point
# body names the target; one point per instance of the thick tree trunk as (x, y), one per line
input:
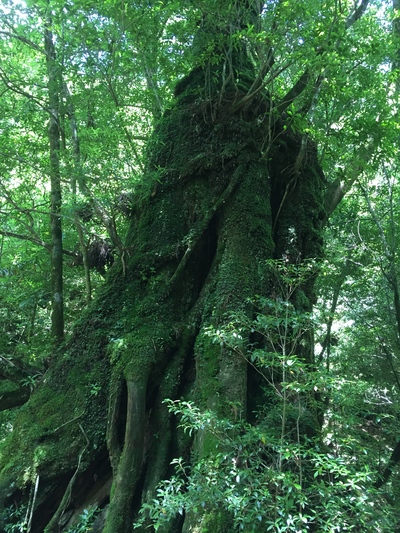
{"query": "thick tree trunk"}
(214, 212)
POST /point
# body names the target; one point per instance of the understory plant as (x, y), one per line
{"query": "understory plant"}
(288, 467)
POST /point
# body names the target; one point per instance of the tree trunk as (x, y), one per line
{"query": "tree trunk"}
(215, 211)
(54, 91)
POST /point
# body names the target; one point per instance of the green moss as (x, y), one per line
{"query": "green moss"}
(72, 395)
(245, 242)
(213, 521)
(207, 370)
(8, 387)
(140, 348)
(38, 445)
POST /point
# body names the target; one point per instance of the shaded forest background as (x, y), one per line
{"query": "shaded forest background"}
(200, 307)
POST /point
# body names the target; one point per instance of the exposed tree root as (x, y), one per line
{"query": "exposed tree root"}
(131, 461)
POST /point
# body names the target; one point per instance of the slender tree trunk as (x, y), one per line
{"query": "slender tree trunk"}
(76, 179)
(54, 91)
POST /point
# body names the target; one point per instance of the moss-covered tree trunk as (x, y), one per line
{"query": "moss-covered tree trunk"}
(218, 201)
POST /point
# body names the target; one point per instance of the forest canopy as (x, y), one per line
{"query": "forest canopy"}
(200, 301)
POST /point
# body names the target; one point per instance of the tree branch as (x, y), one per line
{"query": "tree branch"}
(12, 87)
(294, 92)
(257, 87)
(36, 241)
(33, 240)
(24, 40)
(304, 79)
(358, 13)
(340, 186)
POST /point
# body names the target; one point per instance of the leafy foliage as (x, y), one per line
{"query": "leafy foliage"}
(268, 475)
(86, 520)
